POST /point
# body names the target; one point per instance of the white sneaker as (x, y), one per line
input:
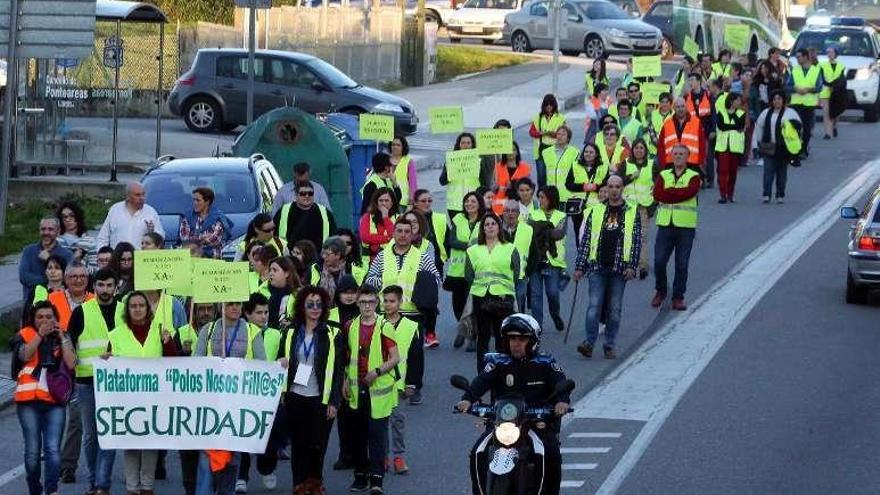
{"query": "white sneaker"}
(241, 486)
(270, 481)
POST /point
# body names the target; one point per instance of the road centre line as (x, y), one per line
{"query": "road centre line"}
(594, 435)
(12, 474)
(585, 450)
(579, 467)
(571, 484)
(651, 382)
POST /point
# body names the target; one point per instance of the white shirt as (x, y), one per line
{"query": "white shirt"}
(123, 226)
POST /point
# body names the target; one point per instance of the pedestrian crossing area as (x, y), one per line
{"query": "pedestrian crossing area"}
(590, 449)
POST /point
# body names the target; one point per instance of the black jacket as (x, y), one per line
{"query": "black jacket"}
(321, 350)
(535, 378)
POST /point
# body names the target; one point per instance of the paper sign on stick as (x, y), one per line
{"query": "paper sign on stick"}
(217, 281)
(161, 268)
(652, 91)
(495, 141)
(462, 163)
(691, 48)
(647, 66)
(376, 127)
(446, 120)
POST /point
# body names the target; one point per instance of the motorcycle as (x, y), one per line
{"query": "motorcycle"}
(514, 450)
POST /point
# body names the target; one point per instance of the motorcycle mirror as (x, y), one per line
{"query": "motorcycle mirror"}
(460, 383)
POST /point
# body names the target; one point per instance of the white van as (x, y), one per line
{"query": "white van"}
(480, 19)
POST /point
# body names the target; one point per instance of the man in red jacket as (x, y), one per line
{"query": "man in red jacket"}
(675, 191)
(684, 129)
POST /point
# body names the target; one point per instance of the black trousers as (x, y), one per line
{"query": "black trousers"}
(552, 462)
(345, 417)
(459, 299)
(369, 439)
(577, 221)
(189, 465)
(487, 326)
(268, 460)
(309, 431)
(415, 358)
(808, 120)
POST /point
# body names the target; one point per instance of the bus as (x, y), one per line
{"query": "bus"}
(705, 20)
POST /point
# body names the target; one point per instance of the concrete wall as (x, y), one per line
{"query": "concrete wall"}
(29, 188)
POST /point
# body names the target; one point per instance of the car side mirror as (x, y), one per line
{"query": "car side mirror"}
(849, 213)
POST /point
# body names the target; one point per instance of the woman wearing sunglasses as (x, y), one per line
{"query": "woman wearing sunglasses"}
(312, 356)
(263, 229)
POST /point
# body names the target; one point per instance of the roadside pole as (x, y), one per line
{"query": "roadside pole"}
(252, 40)
(555, 88)
(8, 113)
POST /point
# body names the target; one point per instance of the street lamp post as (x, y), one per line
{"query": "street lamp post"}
(555, 88)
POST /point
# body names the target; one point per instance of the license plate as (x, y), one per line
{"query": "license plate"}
(472, 29)
(503, 461)
(645, 44)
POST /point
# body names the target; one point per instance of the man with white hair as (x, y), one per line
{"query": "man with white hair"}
(129, 220)
(682, 128)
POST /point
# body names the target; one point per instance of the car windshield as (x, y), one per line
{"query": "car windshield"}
(491, 4)
(603, 10)
(170, 193)
(854, 43)
(331, 75)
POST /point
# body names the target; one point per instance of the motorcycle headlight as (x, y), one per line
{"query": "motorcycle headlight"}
(507, 433)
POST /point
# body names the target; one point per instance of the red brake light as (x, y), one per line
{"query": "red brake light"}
(868, 243)
(186, 80)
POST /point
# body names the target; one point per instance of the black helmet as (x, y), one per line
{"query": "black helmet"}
(522, 324)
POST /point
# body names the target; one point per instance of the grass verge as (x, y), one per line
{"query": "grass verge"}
(454, 61)
(23, 220)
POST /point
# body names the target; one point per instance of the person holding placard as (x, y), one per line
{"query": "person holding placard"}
(376, 227)
(550, 226)
(730, 145)
(382, 177)
(544, 133)
(403, 169)
(304, 219)
(139, 336)
(557, 159)
(468, 177)
(586, 177)
(464, 233)
(313, 355)
(508, 170)
(230, 336)
(369, 388)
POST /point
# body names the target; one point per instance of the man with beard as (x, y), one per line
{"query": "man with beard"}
(89, 328)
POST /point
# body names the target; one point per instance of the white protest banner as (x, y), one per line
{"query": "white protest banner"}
(186, 403)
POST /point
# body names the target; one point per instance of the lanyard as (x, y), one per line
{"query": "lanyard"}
(307, 350)
(230, 342)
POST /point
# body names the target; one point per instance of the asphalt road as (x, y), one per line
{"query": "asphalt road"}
(785, 407)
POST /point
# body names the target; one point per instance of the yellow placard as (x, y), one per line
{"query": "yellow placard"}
(651, 91)
(216, 281)
(446, 120)
(736, 37)
(462, 163)
(494, 141)
(691, 48)
(647, 66)
(376, 127)
(161, 268)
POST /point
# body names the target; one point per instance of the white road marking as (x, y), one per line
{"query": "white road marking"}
(585, 450)
(578, 467)
(571, 484)
(594, 435)
(651, 382)
(11, 475)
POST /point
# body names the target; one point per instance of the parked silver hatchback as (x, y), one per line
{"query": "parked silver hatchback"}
(863, 270)
(595, 27)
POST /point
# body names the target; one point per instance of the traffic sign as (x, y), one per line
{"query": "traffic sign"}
(50, 29)
(67, 63)
(113, 52)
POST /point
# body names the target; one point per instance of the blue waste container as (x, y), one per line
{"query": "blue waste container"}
(360, 156)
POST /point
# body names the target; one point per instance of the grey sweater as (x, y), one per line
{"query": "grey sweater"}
(239, 346)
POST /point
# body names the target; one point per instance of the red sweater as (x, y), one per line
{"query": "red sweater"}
(377, 240)
(676, 194)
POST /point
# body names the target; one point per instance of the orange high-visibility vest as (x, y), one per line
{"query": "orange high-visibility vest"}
(702, 111)
(30, 388)
(690, 137)
(503, 179)
(59, 300)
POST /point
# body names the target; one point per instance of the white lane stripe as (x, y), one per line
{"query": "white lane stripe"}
(578, 467)
(11, 475)
(594, 435)
(652, 381)
(571, 484)
(585, 450)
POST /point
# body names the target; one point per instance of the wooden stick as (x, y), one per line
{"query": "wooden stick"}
(223, 319)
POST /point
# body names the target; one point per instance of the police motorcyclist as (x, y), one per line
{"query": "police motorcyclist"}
(524, 371)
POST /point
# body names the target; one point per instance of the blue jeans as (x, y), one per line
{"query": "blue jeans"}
(85, 396)
(42, 425)
(775, 170)
(606, 290)
(548, 279)
(681, 240)
(541, 171)
(219, 483)
(521, 294)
